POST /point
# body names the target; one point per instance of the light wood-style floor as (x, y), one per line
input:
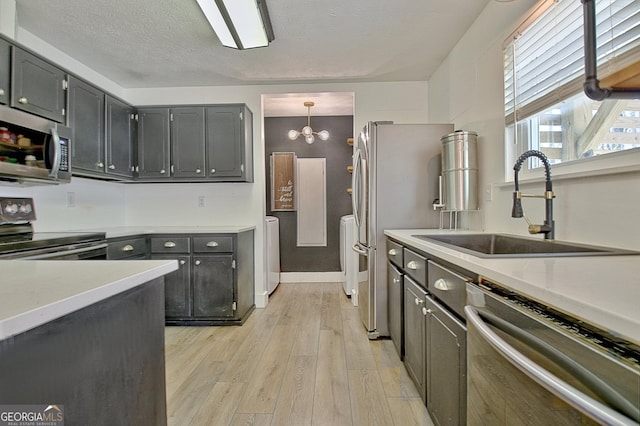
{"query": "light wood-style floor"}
(305, 359)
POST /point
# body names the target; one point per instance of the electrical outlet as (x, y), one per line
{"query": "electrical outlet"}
(71, 199)
(201, 201)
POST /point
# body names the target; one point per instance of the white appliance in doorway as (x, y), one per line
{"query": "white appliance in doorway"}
(348, 258)
(272, 260)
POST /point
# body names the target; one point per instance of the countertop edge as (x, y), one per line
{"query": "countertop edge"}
(55, 309)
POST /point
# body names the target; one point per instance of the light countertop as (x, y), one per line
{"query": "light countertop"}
(601, 290)
(36, 292)
(125, 231)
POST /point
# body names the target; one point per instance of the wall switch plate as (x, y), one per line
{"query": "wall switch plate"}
(201, 201)
(488, 192)
(71, 199)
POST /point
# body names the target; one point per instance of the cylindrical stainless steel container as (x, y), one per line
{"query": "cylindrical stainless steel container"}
(460, 170)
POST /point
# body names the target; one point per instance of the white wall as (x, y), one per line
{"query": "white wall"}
(467, 90)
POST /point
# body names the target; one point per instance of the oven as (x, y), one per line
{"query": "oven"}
(19, 241)
(528, 364)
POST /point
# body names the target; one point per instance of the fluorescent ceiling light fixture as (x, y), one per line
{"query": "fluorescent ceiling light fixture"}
(240, 24)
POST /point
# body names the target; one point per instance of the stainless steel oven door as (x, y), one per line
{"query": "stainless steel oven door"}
(90, 251)
(515, 379)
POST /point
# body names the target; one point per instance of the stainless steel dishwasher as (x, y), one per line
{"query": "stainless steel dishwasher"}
(528, 364)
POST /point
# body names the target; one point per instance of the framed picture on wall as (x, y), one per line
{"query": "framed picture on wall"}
(283, 172)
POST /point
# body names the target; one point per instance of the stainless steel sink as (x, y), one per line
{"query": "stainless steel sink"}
(513, 246)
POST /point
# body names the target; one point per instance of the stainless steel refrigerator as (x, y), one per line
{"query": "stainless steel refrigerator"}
(395, 181)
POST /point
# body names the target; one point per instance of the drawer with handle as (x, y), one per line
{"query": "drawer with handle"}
(213, 244)
(394, 253)
(448, 286)
(127, 248)
(170, 244)
(415, 266)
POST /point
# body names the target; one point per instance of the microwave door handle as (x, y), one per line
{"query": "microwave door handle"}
(355, 195)
(57, 153)
(549, 381)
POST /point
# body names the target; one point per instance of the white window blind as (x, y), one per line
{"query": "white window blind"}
(544, 58)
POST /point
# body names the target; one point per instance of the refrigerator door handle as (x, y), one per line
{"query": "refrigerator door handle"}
(355, 184)
(358, 249)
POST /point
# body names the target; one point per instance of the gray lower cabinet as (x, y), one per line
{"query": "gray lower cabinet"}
(414, 332)
(446, 354)
(215, 281)
(86, 120)
(395, 302)
(5, 71)
(37, 86)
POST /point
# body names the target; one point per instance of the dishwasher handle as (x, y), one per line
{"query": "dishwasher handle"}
(553, 384)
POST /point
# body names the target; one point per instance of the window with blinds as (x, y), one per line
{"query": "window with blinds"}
(545, 106)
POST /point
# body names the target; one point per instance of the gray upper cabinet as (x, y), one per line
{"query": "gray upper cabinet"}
(5, 71)
(86, 117)
(119, 138)
(37, 86)
(188, 142)
(229, 154)
(211, 143)
(153, 143)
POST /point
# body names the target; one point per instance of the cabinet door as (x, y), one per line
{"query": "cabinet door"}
(153, 143)
(5, 71)
(187, 142)
(224, 142)
(446, 366)
(86, 116)
(37, 86)
(177, 287)
(414, 334)
(395, 307)
(119, 136)
(213, 286)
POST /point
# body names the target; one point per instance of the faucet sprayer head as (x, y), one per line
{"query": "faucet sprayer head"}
(517, 211)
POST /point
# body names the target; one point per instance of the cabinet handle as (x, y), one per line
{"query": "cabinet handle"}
(100, 164)
(128, 247)
(198, 171)
(169, 244)
(163, 171)
(112, 167)
(396, 281)
(197, 262)
(418, 301)
(425, 311)
(442, 284)
(212, 244)
(182, 262)
(393, 252)
(23, 100)
(213, 170)
(412, 265)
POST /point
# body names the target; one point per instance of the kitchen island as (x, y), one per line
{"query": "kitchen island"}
(87, 336)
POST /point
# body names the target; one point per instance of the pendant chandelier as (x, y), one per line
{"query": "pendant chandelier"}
(307, 131)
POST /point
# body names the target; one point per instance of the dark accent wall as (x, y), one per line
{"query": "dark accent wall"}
(338, 157)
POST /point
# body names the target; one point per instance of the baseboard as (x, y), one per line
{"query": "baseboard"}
(312, 277)
(262, 299)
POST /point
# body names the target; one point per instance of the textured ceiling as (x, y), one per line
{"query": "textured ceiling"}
(166, 43)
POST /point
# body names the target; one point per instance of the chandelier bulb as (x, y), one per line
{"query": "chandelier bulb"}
(323, 135)
(293, 134)
(309, 139)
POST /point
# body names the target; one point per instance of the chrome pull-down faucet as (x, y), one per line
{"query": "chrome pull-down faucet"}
(548, 228)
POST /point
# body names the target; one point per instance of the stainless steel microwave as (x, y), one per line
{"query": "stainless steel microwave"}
(33, 150)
